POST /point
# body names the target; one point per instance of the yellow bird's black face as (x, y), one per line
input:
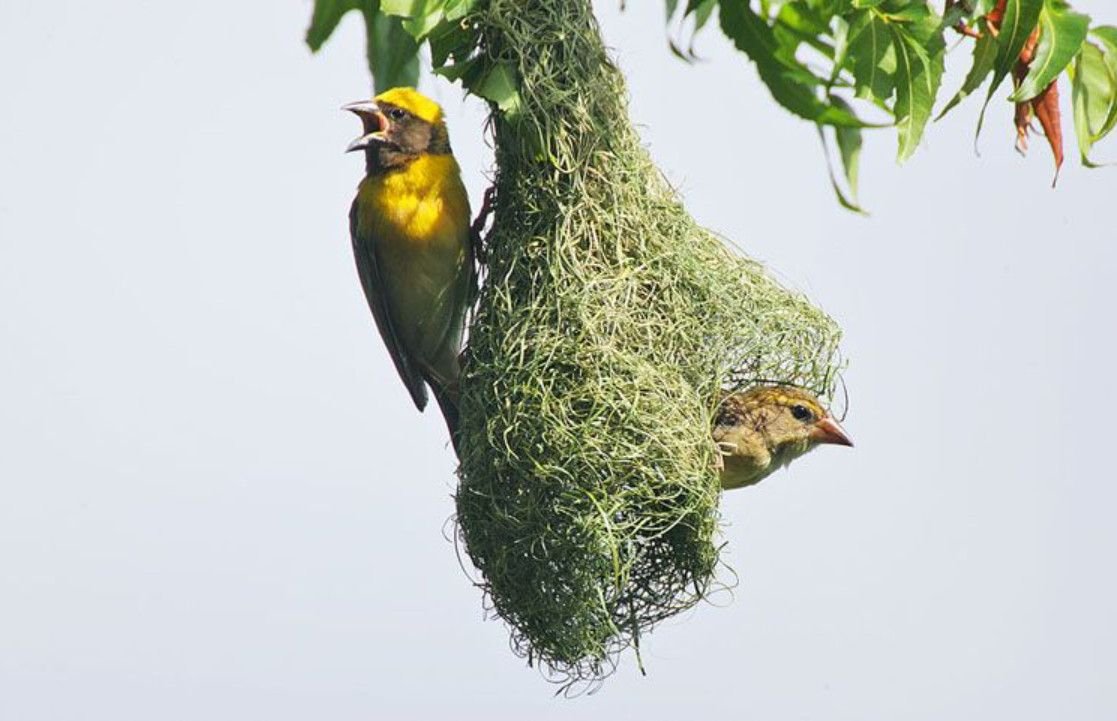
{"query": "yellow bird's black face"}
(396, 134)
(764, 428)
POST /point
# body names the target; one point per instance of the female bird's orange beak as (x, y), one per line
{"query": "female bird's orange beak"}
(827, 430)
(374, 121)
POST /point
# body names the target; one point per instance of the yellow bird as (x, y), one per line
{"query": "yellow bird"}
(410, 225)
(764, 428)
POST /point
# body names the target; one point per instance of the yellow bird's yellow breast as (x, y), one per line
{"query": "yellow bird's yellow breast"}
(422, 204)
(414, 223)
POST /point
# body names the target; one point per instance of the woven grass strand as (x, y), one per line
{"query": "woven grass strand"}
(608, 322)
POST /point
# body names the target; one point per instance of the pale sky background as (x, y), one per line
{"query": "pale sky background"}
(217, 501)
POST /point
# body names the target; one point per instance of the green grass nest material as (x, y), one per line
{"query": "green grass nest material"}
(608, 322)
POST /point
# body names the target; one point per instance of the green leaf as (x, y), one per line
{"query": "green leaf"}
(871, 56)
(702, 10)
(393, 54)
(849, 202)
(791, 84)
(955, 14)
(404, 8)
(918, 76)
(452, 40)
(458, 9)
(1061, 35)
(841, 47)
(469, 72)
(421, 27)
(984, 55)
(849, 150)
(797, 22)
(1094, 96)
(1095, 79)
(327, 14)
(800, 17)
(1107, 34)
(420, 16)
(500, 86)
(1020, 20)
(910, 12)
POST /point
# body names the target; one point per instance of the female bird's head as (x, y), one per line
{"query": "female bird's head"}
(764, 428)
(399, 125)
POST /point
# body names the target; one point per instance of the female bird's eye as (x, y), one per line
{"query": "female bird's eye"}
(396, 114)
(802, 413)
(726, 417)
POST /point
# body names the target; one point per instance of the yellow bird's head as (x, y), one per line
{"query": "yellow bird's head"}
(400, 125)
(764, 428)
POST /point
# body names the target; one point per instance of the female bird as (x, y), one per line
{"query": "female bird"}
(410, 229)
(764, 428)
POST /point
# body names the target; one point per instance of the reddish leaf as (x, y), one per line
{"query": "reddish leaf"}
(1046, 107)
(1023, 125)
(1024, 110)
(996, 16)
(1028, 52)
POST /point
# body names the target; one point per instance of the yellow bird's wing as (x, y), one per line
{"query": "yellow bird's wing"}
(369, 272)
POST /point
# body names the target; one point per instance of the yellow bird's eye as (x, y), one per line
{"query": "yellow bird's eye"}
(396, 114)
(802, 413)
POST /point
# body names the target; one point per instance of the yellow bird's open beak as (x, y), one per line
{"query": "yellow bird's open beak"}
(827, 430)
(374, 121)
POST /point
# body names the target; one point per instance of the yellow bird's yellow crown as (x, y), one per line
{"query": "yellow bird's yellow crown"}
(413, 102)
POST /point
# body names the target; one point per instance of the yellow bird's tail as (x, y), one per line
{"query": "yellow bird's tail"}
(448, 404)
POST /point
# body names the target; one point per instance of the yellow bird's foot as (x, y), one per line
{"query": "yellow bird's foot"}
(477, 229)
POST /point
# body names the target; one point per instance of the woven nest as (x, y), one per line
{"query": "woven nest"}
(608, 323)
